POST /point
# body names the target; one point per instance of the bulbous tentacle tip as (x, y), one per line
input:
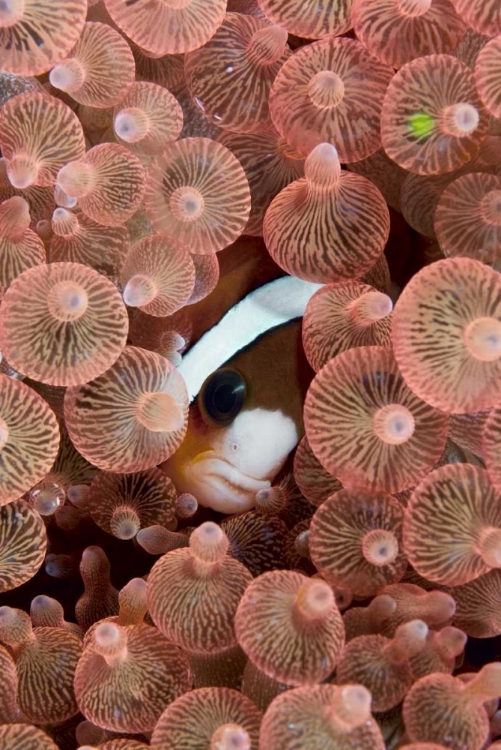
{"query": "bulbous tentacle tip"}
(322, 167)
(482, 339)
(230, 737)
(109, 639)
(209, 543)
(132, 602)
(47, 500)
(67, 301)
(41, 601)
(7, 615)
(380, 547)
(78, 495)
(186, 505)
(451, 641)
(63, 200)
(15, 625)
(371, 307)
(410, 639)
(489, 547)
(351, 706)
(76, 179)
(11, 13)
(271, 500)
(486, 684)
(267, 45)
(88, 734)
(63, 222)
(136, 587)
(93, 561)
(301, 545)
(314, 600)
(187, 204)
(131, 124)
(157, 540)
(382, 607)
(393, 424)
(326, 89)
(125, 523)
(44, 230)
(441, 607)
(22, 171)
(14, 217)
(139, 291)
(67, 76)
(460, 120)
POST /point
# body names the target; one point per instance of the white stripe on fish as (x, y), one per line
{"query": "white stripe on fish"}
(269, 306)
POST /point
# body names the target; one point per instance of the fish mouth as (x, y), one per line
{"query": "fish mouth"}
(225, 477)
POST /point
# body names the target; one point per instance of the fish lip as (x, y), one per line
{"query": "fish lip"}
(219, 470)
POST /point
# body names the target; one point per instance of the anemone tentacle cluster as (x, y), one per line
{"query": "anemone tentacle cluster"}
(250, 374)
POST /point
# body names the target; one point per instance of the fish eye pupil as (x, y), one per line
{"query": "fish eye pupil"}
(223, 395)
(224, 398)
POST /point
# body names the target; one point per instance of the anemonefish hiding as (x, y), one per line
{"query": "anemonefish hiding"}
(247, 377)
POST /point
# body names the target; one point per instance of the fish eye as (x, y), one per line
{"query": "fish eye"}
(222, 396)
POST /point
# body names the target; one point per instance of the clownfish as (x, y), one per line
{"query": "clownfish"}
(247, 378)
